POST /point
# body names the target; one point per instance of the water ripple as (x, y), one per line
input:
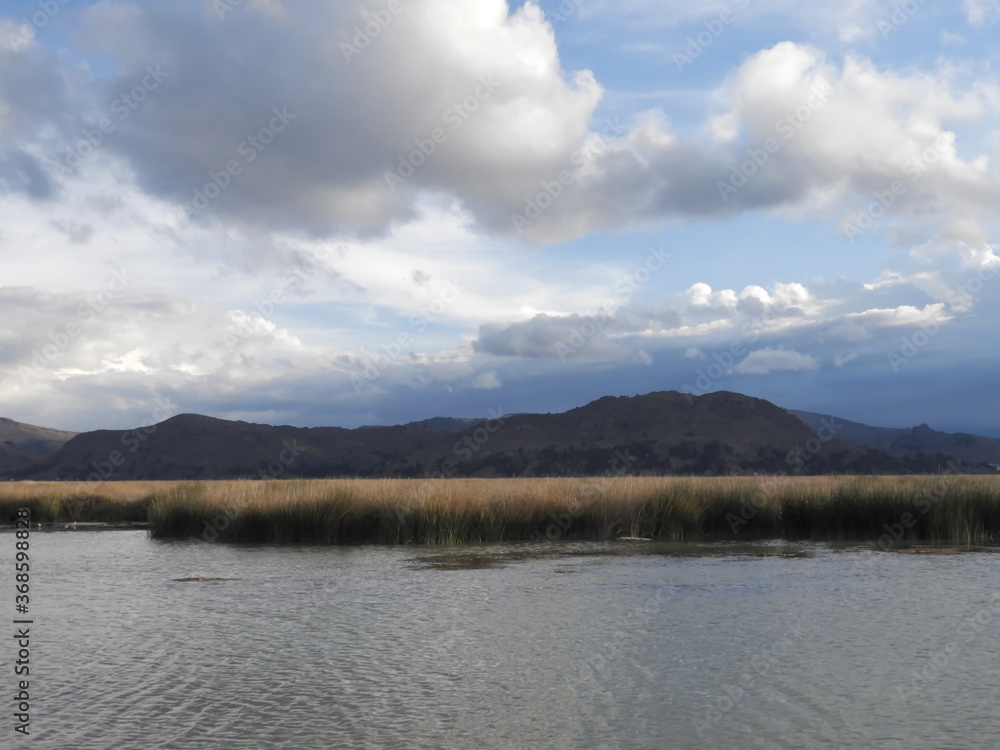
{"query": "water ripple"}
(508, 646)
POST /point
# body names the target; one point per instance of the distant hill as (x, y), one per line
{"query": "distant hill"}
(657, 433)
(446, 424)
(22, 445)
(914, 441)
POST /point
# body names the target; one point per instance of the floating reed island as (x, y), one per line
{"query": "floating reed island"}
(889, 511)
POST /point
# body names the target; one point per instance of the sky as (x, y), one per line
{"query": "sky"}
(317, 213)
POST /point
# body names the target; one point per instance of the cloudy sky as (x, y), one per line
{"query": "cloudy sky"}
(345, 213)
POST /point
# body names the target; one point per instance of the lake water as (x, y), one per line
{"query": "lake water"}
(568, 645)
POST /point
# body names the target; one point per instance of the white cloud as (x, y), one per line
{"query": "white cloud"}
(863, 129)
(701, 295)
(894, 278)
(513, 140)
(487, 380)
(15, 36)
(850, 331)
(904, 315)
(839, 360)
(764, 361)
(976, 255)
(981, 12)
(643, 357)
(507, 121)
(200, 281)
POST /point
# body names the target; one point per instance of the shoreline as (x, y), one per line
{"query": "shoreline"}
(79, 526)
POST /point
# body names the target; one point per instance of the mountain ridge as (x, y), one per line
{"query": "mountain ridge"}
(664, 432)
(22, 444)
(913, 441)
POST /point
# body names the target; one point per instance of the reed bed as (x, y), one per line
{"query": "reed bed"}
(953, 510)
(66, 502)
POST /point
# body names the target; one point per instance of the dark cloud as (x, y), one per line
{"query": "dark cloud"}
(20, 172)
(77, 233)
(564, 336)
(346, 121)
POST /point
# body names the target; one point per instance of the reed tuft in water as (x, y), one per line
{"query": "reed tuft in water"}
(962, 510)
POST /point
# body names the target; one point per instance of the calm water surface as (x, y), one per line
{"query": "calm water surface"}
(619, 645)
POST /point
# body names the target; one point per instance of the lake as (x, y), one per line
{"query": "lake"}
(563, 645)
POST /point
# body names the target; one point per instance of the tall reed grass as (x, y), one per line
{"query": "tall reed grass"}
(954, 510)
(53, 502)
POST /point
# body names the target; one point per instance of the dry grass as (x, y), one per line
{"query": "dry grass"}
(112, 502)
(963, 510)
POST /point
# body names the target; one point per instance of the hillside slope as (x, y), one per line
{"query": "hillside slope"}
(657, 433)
(22, 445)
(912, 441)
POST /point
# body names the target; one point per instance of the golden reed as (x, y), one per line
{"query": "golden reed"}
(945, 509)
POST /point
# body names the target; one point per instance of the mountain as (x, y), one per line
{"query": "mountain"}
(914, 441)
(447, 424)
(22, 445)
(657, 433)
